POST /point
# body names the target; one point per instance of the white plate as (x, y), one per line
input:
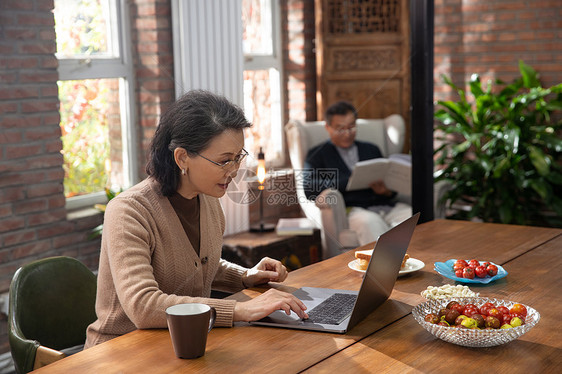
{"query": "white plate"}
(412, 264)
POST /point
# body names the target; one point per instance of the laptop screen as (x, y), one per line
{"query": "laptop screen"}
(383, 269)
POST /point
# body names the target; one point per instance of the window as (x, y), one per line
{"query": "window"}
(95, 86)
(262, 78)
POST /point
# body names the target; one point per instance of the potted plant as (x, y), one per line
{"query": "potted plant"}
(501, 152)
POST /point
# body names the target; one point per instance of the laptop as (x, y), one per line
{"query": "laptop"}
(353, 306)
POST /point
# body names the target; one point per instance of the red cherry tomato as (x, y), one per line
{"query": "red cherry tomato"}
(485, 308)
(492, 270)
(473, 264)
(494, 312)
(506, 318)
(480, 271)
(486, 263)
(519, 309)
(458, 273)
(503, 309)
(468, 273)
(462, 262)
(458, 267)
(471, 306)
(458, 307)
(469, 311)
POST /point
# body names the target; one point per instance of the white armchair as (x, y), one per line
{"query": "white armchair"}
(329, 213)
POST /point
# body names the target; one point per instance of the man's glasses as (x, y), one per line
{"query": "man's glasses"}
(237, 159)
(345, 130)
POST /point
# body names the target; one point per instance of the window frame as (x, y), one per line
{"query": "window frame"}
(101, 67)
(266, 62)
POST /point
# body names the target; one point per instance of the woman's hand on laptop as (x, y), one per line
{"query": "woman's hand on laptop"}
(267, 270)
(267, 303)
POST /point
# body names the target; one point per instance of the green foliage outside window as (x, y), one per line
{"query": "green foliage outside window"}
(83, 110)
(81, 28)
(82, 33)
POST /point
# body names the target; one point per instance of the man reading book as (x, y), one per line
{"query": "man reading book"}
(371, 211)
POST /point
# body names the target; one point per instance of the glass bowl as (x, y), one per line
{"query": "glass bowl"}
(470, 337)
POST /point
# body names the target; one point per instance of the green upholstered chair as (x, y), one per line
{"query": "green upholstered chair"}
(52, 302)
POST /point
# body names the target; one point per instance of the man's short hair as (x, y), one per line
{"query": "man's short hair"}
(339, 108)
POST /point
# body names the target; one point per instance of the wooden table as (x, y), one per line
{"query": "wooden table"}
(388, 340)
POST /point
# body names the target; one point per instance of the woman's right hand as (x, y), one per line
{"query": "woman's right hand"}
(266, 303)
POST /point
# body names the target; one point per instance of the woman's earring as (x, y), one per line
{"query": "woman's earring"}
(182, 171)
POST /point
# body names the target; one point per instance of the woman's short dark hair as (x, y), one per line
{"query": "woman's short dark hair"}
(191, 122)
(339, 108)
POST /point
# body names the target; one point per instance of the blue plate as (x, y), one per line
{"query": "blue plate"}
(446, 270)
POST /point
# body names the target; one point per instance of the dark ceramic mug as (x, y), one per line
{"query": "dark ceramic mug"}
(189, 325)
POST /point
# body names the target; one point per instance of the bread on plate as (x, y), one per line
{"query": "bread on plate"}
(363, 257)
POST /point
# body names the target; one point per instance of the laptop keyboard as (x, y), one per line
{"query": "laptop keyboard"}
(333, 310)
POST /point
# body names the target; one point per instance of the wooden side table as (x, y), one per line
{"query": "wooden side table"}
(294, 251)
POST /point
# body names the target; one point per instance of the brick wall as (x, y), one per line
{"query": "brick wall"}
(33, 220)
(489, 37)
(152, 43)
(32, 214)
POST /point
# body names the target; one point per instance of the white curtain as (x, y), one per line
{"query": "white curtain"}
(208, 55)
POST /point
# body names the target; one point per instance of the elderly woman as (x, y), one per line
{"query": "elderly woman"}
(162, 239)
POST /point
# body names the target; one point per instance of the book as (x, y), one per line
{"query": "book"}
(395, 172)
(294, 226)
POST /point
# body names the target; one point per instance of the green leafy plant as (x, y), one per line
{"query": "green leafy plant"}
(96, 231)
(501, 154)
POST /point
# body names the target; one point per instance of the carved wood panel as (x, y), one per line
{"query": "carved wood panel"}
(361, 60)
(373, 98)
(362, 55)
(359, 17)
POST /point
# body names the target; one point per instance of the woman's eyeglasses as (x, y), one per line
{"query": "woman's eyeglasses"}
(236, 160)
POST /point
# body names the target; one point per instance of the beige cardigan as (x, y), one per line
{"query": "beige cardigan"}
(147, 264)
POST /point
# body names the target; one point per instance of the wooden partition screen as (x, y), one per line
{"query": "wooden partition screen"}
(363, 56)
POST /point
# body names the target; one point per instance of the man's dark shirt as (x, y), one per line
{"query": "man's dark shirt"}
(324, 168)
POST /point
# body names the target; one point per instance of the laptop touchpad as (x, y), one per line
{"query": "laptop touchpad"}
(279, 316)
